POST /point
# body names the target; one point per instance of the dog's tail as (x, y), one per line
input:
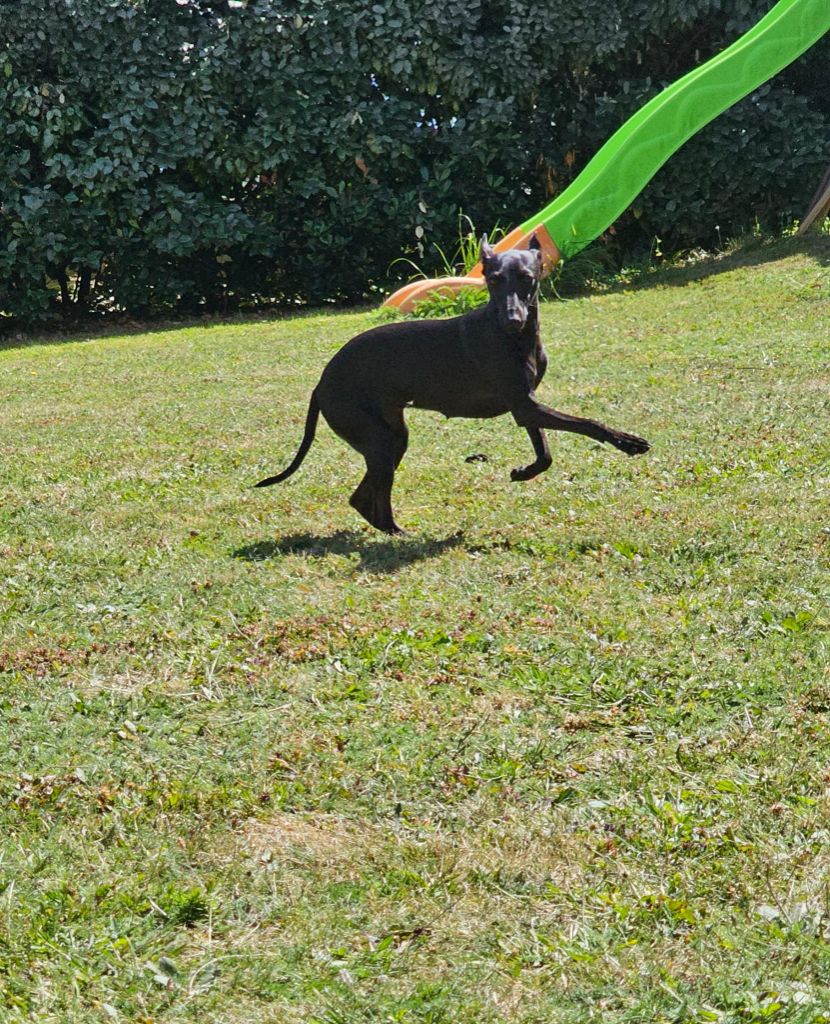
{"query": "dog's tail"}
(305, 444)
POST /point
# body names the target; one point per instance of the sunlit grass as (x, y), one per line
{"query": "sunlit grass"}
(560, 754)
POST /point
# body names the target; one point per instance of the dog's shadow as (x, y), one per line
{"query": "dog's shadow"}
(375, 556)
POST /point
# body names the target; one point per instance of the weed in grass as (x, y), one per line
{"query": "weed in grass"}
(460, 264)
(466, 253)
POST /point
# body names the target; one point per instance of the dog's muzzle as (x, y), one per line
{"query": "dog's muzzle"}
(514, 318)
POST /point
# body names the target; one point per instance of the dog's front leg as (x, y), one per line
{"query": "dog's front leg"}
(543, 459)
(530, 413)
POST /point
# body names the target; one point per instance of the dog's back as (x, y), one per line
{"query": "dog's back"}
(430, 364)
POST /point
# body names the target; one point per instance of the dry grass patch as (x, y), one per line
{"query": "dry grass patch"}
(319, 841)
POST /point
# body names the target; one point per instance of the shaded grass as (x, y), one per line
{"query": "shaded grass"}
(558, 755)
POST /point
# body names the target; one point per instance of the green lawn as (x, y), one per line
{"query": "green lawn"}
(562, 754)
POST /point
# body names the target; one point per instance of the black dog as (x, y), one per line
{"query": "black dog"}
(485, 363)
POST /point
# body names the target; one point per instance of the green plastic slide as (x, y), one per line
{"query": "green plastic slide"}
(633, 155)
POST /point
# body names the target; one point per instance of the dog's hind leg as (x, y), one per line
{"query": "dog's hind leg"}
(373, 496)
(400, 433)
(382, 441)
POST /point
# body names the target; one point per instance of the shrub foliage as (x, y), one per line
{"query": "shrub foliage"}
(163, 154)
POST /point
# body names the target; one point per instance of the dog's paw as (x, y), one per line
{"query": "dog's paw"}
(630, 444)
(478, 457)
(520, 473)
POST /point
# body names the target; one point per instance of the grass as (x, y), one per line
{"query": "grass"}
(460, 264)
(560, 755)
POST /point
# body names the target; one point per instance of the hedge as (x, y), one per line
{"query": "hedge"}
(160, 155)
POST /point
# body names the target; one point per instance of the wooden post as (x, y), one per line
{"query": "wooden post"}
(819, 206)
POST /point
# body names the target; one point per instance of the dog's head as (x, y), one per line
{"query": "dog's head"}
(513, 280)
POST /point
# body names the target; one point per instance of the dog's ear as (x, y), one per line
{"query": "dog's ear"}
(534, 245)
(486, 251)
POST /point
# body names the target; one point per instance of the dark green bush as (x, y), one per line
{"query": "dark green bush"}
(200, 154)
